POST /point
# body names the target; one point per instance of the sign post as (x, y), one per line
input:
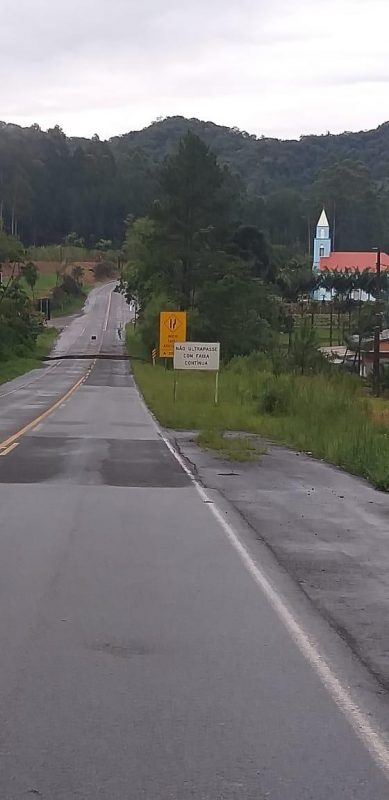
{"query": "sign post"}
(204, 356)
(172, 328)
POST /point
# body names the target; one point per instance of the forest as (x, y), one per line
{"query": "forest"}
(52, 185)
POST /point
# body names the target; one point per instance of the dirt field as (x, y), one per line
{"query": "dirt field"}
(52, 267)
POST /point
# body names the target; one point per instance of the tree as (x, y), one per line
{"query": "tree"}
(347, 190)
(30, 274)
(251, 245)
(190, 212)
(78, 274)
(234, 309)
(304, 354)
(74, 240)
(185, 256)
(296, 281)
(11, 249)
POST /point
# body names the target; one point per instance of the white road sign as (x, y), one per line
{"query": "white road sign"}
(197, 355)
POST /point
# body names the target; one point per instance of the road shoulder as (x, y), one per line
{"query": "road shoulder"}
(328, 529)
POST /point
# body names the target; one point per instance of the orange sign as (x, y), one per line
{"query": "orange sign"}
(172, 328)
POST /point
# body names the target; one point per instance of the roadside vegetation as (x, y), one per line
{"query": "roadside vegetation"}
(234, 448)
(195, 245)
(324, 415)
(24, 340)
(16, 365)
(190, 253)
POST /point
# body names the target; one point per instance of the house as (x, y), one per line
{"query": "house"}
(324, 258)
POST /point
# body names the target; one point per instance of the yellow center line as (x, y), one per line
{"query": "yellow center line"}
(8, 449)
(7, 443)
(11, 439)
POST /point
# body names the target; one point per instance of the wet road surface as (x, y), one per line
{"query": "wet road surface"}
(139, 656)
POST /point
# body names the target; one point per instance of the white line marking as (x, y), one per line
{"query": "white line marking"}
(28, 383)
(107, 314)
(373, 739)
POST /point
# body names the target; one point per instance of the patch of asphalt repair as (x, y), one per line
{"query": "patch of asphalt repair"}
(329, 530)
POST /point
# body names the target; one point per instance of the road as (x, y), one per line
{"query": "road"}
(145, 653)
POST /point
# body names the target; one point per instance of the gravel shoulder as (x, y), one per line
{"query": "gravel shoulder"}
(328, 529)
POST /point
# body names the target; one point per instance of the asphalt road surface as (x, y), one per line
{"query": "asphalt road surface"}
(144, 653)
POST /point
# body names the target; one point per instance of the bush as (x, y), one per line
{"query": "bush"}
(275, 394)
(305, 357)
(70, 286)
(149, 319)
(255, 362)
(104, 269)
(16, 338)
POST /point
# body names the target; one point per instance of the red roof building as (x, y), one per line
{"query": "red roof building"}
(324, 258)
(353, 261)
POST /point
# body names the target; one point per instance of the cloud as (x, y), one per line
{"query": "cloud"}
(281, 68)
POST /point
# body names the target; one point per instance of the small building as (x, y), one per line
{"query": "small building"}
(368, 356)
(324, 258)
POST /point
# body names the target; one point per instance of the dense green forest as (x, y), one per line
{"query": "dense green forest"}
(52, 185)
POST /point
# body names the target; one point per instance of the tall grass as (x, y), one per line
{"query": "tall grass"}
(323, 415)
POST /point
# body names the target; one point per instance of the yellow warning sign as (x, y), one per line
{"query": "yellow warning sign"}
(172, 328)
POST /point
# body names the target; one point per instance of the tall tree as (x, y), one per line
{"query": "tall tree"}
(191, 211)
(30, 274)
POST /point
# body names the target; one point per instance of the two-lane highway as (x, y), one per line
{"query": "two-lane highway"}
(143, 654)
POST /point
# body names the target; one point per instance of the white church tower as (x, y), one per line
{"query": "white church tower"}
(322, 241)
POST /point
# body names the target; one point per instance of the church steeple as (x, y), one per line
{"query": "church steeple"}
(322, 241)
(323, 221)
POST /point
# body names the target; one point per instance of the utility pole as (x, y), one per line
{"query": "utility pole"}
(377, 330)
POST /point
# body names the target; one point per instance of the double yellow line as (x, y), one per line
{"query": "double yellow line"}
(9, 444)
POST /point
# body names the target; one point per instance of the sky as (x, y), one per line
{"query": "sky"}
(280, 68)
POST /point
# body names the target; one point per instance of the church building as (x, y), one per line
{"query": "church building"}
(325, 258)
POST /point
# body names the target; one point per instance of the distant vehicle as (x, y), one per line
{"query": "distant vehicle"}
(93, 337)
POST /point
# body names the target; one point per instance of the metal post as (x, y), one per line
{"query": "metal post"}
(331, 312)
(175, 386)
(376, 361)
(216, 388)
(377, 331)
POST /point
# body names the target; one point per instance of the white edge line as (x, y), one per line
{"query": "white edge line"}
(42, 374)
(373, 739)
(107, 314)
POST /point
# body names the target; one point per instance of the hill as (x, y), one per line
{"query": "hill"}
(266, 164)
(51, 184)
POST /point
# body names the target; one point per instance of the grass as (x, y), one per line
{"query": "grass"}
(323, 335)
(237, 448)
(135, 346)
(71, 306)
(322, 415)
(380, 410)
(19, 365)
(45, 283)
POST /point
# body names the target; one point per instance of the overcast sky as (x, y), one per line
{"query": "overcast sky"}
(273, 67)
